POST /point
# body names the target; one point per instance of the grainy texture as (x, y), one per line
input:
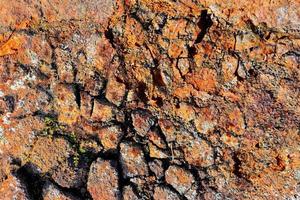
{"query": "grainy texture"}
(149, 99)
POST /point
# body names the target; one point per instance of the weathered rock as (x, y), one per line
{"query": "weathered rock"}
(206, 86)
(102, 112)
(155, 152)
(86, 105)
(115, 92)
(12, 188)
(69, 176)
(90, 146)
(89, 79)
(48, 153)
(110, 137)
(133, 160)
(199, 153)
(65, 67)
(156, 138)
(182, 180)
(185, 112)
(51, 192)
(206, 120)
(204, 80)
(235, 121)
(164, 193)
(168, 129)
(103, 180)
(156, 166)
(66, 104)
(141, 122)
(128, 193)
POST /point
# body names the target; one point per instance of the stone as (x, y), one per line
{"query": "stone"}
(206, 120)
(12, 45)
(128, 193)
(155, 152)
(133, 160)
(168, 129)
(12, 188)
(169, 90)
(89, 79)
(183, 65)
(156, 166)
(110, 137)
(103, 180)
(115, 91)
(185, 112)
(85, 105)
(141, 122)
(70, 174)
(199, 153)
(230, 140)
(181, 179)
(48, 153)
(90, 146)
(164, 193)
(102, 112)
(229, 67)
(156, 138)
(203, 80)
(235, 121)
(77, 10)
(65, 104)
(64, 65)
(50, 192)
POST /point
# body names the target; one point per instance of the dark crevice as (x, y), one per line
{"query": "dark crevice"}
(10, 102)
(32, 181)
(204, 24)
(192, 51)
(92, 106)
(110, 36)
(25, 68)
(145, 24)
(255, 29)
(237, 166)
(195, 173)
(141, 92)
(77, 95)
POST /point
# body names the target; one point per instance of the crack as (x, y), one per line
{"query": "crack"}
(32, 181)
(204, 24)
(10, 102)
(77, 94)
(110, 36)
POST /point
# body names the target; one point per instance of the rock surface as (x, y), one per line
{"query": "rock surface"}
(103, 180)
(149, 99)
(51, 192)
(132, 160)
(12, 188)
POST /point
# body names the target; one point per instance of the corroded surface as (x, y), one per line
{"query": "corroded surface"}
(149, 99)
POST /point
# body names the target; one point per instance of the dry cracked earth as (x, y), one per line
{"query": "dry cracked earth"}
(149, 99)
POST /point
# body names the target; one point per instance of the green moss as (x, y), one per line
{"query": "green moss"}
(72, 138)
(76, 159)
(81, 150)
(54, 129)
(51, 127)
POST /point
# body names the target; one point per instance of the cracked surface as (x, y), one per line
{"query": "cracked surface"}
(149, 99)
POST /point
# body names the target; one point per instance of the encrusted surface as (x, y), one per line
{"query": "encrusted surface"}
(149, 99)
